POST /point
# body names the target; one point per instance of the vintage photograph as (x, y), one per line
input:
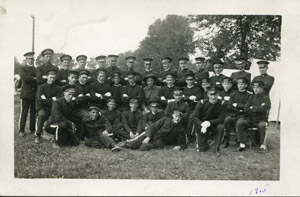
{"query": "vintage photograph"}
(180, 97)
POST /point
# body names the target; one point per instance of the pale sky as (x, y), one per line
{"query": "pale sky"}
(82, 27)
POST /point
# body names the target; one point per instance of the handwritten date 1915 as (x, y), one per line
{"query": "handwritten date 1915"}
(257, 190)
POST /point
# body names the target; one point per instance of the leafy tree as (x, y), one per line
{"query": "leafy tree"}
(226, 36)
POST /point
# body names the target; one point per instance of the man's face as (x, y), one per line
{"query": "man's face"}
(72, 79)
(116, 79)
(94, 114)
(82, 63)
(241, 85)
(83, 79)
(182, 64)
(200, 65)
(130, 63)
(101, 63)
(113, 62)
(68, 95)
(111, 106)
(226, 85)
(212, 96)
(257, 89)
(169, 80)
(177, 97)
(176, 118)
(51, 79)
(218, 68)
(240, 65)
(205, 85)
(147, 65)
(65, 63)
(154, 109)
(30, 60)
(263, 69)
(101, 77)
(133, 106)
(190, 81)
(48, 58)
(150, 81)
(166, 64)
(131, 79)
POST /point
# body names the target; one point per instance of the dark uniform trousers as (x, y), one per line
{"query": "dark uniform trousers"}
(43, 115)
(27, 104)
(100, 141)
(202, 138)
(229, 124)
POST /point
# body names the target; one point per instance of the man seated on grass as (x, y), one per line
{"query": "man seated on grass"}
(164, 132)
(153, 115)
(256, 115)
(61, 122)
(235, 108)
(132, 120)
(98, 128)
(114, 116)
(207, 117)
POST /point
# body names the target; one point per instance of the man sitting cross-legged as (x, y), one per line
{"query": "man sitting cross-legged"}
(98, 128)
(164, 132)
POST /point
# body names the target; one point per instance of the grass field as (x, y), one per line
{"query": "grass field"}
(41, 161)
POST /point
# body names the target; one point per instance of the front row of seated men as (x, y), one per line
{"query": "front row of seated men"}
(176, 125)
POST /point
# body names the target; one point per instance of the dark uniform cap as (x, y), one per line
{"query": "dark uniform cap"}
(218, 62)
(148, 59)
(213, 89)
(134, 100)
(52, 71)
(183, 58)
(154, 102)
(74, 72)
(166, 58)
(81, 57)
(189, 74)
(150, 75)
(115, 56)
(68, 87)
(262, 62)
(47, 51)
(83, 72)
(259, 83)
(94, 107)
(100, 57)
(130, 57)
(115, 73)
(245, 80)
(199, 58)
(173, 74)
(226, 78)
(29, 54)
(112, 99)
(204, 79)
(66, 57)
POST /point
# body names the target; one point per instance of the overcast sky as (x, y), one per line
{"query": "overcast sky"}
(82, 27)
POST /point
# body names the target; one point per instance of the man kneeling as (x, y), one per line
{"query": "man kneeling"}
(98, 128)
(163, 132)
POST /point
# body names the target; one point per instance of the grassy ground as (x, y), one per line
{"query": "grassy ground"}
(41, 161)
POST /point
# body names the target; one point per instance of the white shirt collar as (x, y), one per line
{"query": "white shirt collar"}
(190, 86)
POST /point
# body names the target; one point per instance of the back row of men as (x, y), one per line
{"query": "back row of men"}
(107, 90)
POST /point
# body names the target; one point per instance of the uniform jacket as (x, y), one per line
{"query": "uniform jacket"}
(166, 92)
(217, 80)
(240, 98)
(200, 74)
(167, 131)
(151, 93)
(192, 91)
(42, 70)
(96, 127)
(100, 88)
(114, 117)
(132, 92)
(29, 85)
(61, 111)
(181, 77)
(181, 106)
(62, 75)
(132, 121)
(48, 91)
(82, 100)
(116, 91)
(261, 105)
(149, 118)
(268, 81)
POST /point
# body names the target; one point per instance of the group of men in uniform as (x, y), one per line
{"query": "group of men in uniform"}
(111, 108)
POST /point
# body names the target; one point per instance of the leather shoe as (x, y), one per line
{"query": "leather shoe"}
(21, 134)
(239, 149)
(37, 140)
(262, 150)
(116, 149)
(55, 145)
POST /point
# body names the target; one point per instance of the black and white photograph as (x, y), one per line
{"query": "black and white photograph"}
(147, 97)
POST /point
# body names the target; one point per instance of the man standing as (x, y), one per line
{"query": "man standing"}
(208, 116)
(101, 64)
(240, 63)
(216, 80)
(28, 93)
(62, 74)
(41, 71)
(256, 114)
(264, 77)
(130, 61)
(148, 67)
(166, 63)
(202, 72)
(60, 122)
(113, 65)
(47, 94)
(183, 70)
